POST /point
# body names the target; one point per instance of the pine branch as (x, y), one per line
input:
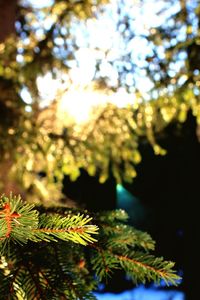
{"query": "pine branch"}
(34, 267)
(123, 236)
(119, 235)
(72, 228)
(144, 267)
(140, 266)
(121, 246)
(19, 222)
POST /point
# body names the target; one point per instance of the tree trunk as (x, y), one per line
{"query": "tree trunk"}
(8, 10)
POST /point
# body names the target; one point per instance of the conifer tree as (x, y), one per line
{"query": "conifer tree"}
(57, 253)
(50, 251)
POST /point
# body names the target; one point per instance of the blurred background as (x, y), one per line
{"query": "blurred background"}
(100, 108)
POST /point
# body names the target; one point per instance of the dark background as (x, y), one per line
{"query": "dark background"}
(168, 191)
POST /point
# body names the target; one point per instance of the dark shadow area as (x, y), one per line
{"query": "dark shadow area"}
(89, 193)
(169, 188)
(166, 193)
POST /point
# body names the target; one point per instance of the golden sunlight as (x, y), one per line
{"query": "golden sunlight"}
(79, 102)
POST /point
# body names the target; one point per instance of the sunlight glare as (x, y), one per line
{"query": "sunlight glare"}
(79, 103)
(101, 41)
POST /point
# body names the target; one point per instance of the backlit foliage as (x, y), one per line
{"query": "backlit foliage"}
(50, 252)
(34, 140)
(53, 255)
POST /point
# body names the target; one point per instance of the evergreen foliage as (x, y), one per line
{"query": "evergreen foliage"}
(53, 252)
(36, 139)
(55, 256)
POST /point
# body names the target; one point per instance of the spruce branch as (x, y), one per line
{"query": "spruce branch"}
(35, 263)
(74, 228)
(118, 234)
(121, 246)
(19, 222)
(145, 267)
(140, 266)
